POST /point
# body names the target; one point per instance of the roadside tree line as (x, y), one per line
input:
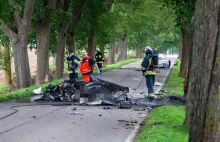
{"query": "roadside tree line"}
(53, 27)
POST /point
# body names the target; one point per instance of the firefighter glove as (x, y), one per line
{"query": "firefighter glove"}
(98, 72)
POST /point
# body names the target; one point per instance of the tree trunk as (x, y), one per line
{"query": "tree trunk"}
(61, 38)
(18, 37)
(20, 42)
(7, 65)
(180, 52)
(78, 7)
(22, 69)
(47, 68)
(43, 38)
(186, 87)
(125, 55)
(187, 46)
(138, 51)
(181, 47)
(42, 28)
(111, 53)
(122, 48)
(204, 79)
(61, 41)
(91, 46)
(71, 42)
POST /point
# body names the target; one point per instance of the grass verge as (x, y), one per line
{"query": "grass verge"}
(26, 92)
(165, 124)
(174, 84)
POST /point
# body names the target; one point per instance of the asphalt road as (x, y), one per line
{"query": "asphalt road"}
(46, 123)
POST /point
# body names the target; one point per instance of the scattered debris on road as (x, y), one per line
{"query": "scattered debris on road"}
(106, 108)
(73, 108)
(100, 92)
(75, 113)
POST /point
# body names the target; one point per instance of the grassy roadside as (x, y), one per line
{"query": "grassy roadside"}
(165, 124)
(174, 84)
(3, 89)
(22, 93)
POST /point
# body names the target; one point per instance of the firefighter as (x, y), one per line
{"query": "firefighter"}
(73, 62)
(99, 59)
(86, 67)
(147, 68)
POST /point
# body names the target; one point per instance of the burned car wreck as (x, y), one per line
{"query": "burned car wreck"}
(101, 92)
(95, 92)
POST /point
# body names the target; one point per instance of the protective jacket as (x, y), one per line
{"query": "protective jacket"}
(147, 65)
(85, 68)
(72, 64)
(99, 57)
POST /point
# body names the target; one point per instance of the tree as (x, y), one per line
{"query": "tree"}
(15, 19)
(5, 58)
(71, 10)
(204, 76)
(95, 9)
(42, 23)
(143, 23)
(78, 7)
(185, 18)
(185, 11)
(64, 7)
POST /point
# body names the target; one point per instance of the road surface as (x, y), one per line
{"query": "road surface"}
(46, 123)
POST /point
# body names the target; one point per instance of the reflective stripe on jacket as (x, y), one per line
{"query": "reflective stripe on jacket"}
(99, 57)
(147, 66)
(150, 73)
(100, 62)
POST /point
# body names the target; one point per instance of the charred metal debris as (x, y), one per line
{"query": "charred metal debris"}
(100, 92)
(95, 93)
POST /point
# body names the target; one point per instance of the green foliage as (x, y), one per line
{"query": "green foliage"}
(165, 41)
(4, 89)
(4, 42)
(41, 11)
(146, 22)
(8, 9)
(174, 84)
(93, 23)
(6, 12)
(164, 124)
(184, 10)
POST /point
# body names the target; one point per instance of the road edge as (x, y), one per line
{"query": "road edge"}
(132, 136)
